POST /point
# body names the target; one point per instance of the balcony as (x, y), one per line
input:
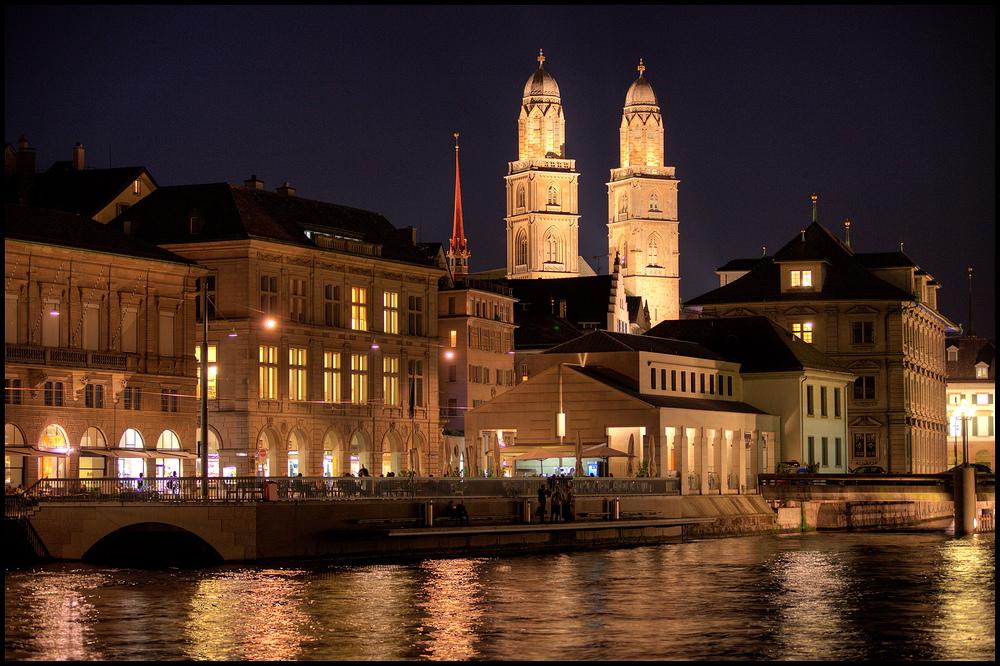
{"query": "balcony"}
(70, 358)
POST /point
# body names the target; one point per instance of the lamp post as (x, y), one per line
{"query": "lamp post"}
(203, 381)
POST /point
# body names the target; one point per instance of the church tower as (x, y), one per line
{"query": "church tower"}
(642, 207)
(458, 250)
(542, 203)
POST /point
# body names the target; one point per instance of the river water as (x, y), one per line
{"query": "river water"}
(917, 595)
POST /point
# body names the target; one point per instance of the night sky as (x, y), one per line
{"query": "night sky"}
(886, 113)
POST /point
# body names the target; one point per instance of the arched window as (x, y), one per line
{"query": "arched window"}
(520, 196)
(553, 197)
(552, 248)
(521, 249)
(623, 205)
(131, 439)
(168, 441)
(653, 252)
(654, 202)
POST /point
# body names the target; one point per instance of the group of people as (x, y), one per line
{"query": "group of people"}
(457, 512)
(557, 494)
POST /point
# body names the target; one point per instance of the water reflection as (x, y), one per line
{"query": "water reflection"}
(845, 596)
(247, 615)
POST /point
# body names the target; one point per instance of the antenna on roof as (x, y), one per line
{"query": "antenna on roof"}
(815, 218)
(900, 246)
(972, 330)
(847, 232)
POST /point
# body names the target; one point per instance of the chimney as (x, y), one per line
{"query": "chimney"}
(286, 190)
(253, 183)
(78, 157)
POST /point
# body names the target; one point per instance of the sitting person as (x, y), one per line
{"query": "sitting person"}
(450, 511)
(461, 514)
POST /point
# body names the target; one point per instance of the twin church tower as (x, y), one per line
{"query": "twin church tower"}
(543, 204)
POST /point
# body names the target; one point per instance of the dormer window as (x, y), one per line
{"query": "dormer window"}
(982, 371)
(801, 279)
(952, 353)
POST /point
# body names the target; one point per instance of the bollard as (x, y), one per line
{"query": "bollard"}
(614, 509)
(526, 511)
(429, 514)
(964, 493)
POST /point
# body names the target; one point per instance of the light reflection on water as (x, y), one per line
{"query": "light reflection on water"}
(820, 596)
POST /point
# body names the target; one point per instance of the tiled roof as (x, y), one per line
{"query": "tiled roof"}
(756, 343)
(84, 191)
(50, 227)
(606, 341)
(233, 212)
(971, 352)
(847, 276)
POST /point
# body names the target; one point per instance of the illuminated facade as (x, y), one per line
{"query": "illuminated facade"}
(542, 202)
(642, 207)
(874, 313)
(971, 400)
(99, 375)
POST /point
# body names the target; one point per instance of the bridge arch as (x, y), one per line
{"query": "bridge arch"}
(152, 544)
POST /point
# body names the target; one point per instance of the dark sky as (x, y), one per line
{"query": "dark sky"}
(886, 113)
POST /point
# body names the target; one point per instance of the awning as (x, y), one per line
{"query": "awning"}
(43, 452)
(19, 451)
(186, 455)
(115, 453)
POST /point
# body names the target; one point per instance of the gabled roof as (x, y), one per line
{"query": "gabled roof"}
(82, 191)
(847, 276)
(50, 227)
(231, 212)
(606, 341)
(756, 343)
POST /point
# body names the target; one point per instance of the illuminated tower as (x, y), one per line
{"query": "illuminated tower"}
(458, 252)
(542, 203)
(642, 207)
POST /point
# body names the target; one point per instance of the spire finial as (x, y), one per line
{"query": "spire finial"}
(541, 58)
(814, 198)
(641, 68)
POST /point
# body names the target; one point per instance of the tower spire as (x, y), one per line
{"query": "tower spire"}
(847, 232)
(458, 253)
(815, 216)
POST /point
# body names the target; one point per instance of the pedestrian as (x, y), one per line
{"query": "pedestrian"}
(568, 502)
(556, 499)
(461, 513)
(543, 494)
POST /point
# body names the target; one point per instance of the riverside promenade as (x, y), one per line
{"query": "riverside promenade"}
(355, 519)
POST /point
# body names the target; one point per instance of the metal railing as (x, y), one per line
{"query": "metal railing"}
(253, 488)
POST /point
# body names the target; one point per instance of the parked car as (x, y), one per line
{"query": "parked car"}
(868, 469)
(982, 468)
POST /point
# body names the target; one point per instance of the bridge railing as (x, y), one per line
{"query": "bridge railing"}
(942, 479)
(252, 488)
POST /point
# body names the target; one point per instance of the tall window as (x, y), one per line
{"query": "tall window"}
(332, 306)
(822, 401)
(415, 315)
(864, 388)
(836, 403)
(331, 377)
(213, 371)
(296, 299)
(359, 379)
(297, 386)
(804, 330)
(390, 380)
(359, 308)
(553, 197)
(654, 202)
(801, 279)
(520, 197)
(268, 372)
(390, 312)
(521, 249)
(93, 396)
(53, 394)
(865, 445)
(862, 332)
(12, 391)
(653, 252)
(415, 372)
(552, 254)
(168, 400)
(269, 294)
(131, 398)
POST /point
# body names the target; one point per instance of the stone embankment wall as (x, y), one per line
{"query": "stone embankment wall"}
(806, 516)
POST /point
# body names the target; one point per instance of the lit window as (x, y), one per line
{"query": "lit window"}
(390, 312)
(359, 308)
(268, 358)
(390, 380)
(296, 374)
(359, 379)
(331, 377)
(213, 371)
(982, 372)
(803, 330)
(801, 279)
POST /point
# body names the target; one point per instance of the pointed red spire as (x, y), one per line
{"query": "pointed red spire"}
(458, 254)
